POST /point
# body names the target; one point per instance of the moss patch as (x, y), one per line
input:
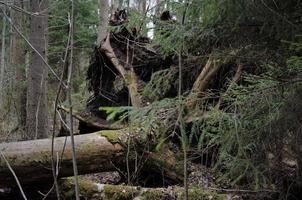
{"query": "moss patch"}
(87, 188)
(119, 193)
(114, 136)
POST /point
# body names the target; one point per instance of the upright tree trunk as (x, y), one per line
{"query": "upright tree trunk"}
(18, 64)
(103, 22)
(142, 6)
(37, 114)
(115, 4)
(159, 8)
(121, 3)
(2, 62)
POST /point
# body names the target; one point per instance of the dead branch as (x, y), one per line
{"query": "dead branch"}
(93, 121)
(128, 74)
(235, 80)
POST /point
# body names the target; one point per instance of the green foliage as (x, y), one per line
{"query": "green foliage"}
(161, 83)
(136, 21)
(157, 119)
(246, 129)
(116, 113)
(243, 129)
(218, 23)
(86, 20)
(78, 98)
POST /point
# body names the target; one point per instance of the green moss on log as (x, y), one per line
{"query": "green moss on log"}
(88, 189)
(116, 192)
(198, 194)
(91, 190)
(156, 194)
(114, 136)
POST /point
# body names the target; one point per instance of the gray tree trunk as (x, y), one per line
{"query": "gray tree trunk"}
(159, 8)
(96, 152)
(142, 6)
(18, 64)
(115, 4)
(103, 21)
(2, 66)
(37, 113)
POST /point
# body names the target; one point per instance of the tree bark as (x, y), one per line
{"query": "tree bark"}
(2, 61)
(128, 74)
(92, 190)
(159, 8)
(18, 63)
(103, 21)
(115, 4)
(206, 76)
(97, 152)
(94, 122)
(142, 6)
(37, 113)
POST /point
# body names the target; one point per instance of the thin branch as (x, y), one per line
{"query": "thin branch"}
(180, 110)
(19, 9)
(54, 170)
(14, 174)
(74, 161)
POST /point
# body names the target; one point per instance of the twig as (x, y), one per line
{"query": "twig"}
(62, 120)
(54, 170)
(70, 68)
(180, 110)
(14, 174)
(19, 9)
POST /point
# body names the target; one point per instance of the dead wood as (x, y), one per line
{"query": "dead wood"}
(207, 75)
(92, 121)
(89, 189)
(130, 78)
(97, 152)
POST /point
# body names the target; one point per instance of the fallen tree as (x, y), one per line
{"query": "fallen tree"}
(90, 189)
(97, 152)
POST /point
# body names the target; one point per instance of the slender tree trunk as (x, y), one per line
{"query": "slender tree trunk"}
(142, 6)
(115, 4)
(103, 21)
(37, 114)
(2, 69)
(18, 64)
(159, 7)
(121, 3)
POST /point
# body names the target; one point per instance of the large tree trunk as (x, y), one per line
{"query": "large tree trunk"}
(97, 152)
(37, 116)
(91, 190)
(103, 21)
(18, 62)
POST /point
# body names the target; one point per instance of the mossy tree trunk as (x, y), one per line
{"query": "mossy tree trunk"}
(96, 152)
(89, 189)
